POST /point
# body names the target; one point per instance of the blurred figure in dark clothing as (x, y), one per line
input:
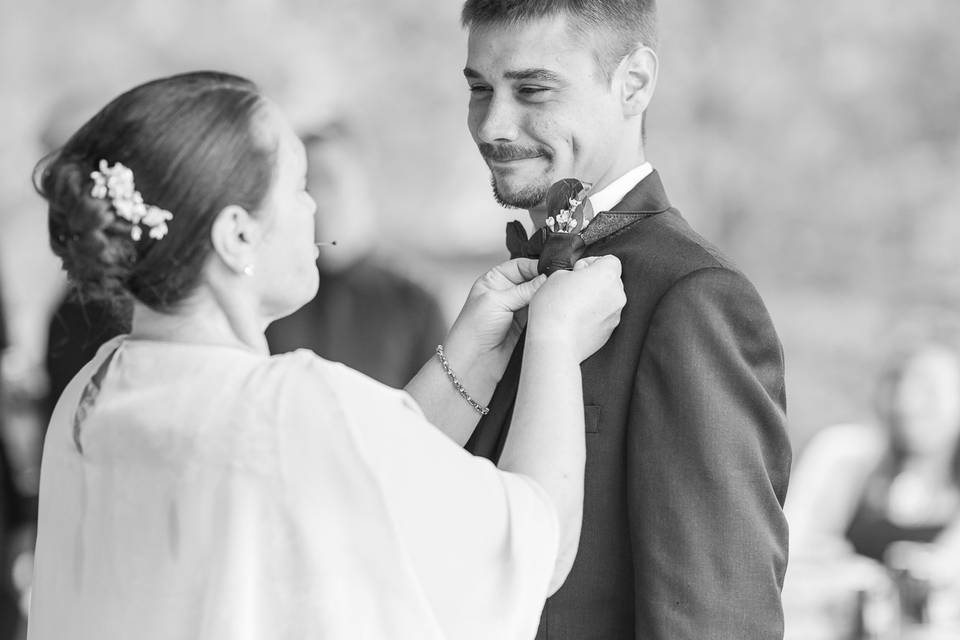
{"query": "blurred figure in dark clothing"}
(868, 485)
(77, 329)
(391, 323)
(15, 512)
(364, 315)
(888, 489)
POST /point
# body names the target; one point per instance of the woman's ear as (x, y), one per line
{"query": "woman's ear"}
(638, 79)
(235, 236)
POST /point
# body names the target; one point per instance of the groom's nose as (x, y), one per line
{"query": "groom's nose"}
(496, 120)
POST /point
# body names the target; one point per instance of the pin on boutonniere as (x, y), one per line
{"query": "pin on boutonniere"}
(563, 198)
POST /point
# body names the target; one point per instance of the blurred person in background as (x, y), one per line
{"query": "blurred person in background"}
(193, 486)
(15, 516)
(365, 314)
(78, 328)
(888, 489)
(688, 458)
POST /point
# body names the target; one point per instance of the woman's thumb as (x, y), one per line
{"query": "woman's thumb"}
(583, 263)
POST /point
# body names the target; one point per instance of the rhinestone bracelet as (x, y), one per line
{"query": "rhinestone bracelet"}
(482, 410)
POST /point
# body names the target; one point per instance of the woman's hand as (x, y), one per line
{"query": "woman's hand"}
(477, 348)
(492, 317)
(579, 309)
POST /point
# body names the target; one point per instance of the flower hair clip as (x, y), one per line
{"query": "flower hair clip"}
(116, 183)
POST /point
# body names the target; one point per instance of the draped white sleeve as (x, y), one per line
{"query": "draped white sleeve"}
(482, 542)
(224, 495)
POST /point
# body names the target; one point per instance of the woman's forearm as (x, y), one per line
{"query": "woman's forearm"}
(546, 438)
(442, 403)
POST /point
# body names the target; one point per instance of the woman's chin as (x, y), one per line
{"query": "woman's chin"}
(281, 308)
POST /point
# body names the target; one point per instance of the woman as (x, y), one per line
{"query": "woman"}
(888, 490)
(898, 479)
(194, 487)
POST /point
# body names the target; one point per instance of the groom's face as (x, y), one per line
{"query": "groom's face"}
(540, 108)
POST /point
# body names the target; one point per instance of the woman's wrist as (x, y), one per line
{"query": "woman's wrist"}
(551, 352)
(552, 337)
(478, 370)
(458, 384)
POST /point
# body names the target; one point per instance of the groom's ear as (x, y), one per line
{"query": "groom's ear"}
(636, 77)
(235, 235)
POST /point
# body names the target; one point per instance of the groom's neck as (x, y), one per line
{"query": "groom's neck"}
(538, 216)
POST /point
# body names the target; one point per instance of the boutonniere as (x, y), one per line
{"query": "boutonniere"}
(563, 199)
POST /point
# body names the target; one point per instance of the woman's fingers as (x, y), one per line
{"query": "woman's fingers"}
(515, 271)
(582, 263)
(519, 296)
(580, 308)
(606, 261)
(509, 285)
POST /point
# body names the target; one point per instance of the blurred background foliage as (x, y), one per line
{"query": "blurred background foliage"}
(817, 143)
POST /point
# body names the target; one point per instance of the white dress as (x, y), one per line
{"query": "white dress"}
(212, 493)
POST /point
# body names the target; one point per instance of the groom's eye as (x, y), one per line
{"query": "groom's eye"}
(479, 88)
(534, 92)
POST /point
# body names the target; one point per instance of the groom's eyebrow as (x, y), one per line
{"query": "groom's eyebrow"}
(540, 75)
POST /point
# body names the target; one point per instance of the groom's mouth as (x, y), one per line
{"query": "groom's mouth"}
(505, 156)
(514, 165)
(504, 167)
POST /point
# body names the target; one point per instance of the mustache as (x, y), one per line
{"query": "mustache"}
(506, 152)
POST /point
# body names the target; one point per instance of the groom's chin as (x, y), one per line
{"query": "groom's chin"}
(526, 197)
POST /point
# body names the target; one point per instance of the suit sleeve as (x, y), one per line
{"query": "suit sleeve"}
(708, 463)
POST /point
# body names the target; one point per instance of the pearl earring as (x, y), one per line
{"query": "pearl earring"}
(248, 270)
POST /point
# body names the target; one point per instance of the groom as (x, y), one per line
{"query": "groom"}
(687, 455)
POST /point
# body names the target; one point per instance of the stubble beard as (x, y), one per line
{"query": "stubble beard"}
(528, 197)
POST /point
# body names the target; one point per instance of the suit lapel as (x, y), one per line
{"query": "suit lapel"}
(644, 200)
(648, 197)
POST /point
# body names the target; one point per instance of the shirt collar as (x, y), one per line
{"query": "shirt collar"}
(610, 195)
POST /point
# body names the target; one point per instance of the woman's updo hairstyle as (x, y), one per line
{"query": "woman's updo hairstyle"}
(193, 147)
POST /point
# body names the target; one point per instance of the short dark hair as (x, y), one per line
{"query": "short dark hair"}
(191, 143)
(631, 23)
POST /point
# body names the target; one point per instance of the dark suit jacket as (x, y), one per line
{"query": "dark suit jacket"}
(687, 462)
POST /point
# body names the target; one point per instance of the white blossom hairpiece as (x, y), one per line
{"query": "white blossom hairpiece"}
(116, 183)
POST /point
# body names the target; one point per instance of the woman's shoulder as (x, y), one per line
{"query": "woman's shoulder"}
(307, 364)
(303, 373)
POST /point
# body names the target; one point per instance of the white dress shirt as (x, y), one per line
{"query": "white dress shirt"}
(606, 198)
